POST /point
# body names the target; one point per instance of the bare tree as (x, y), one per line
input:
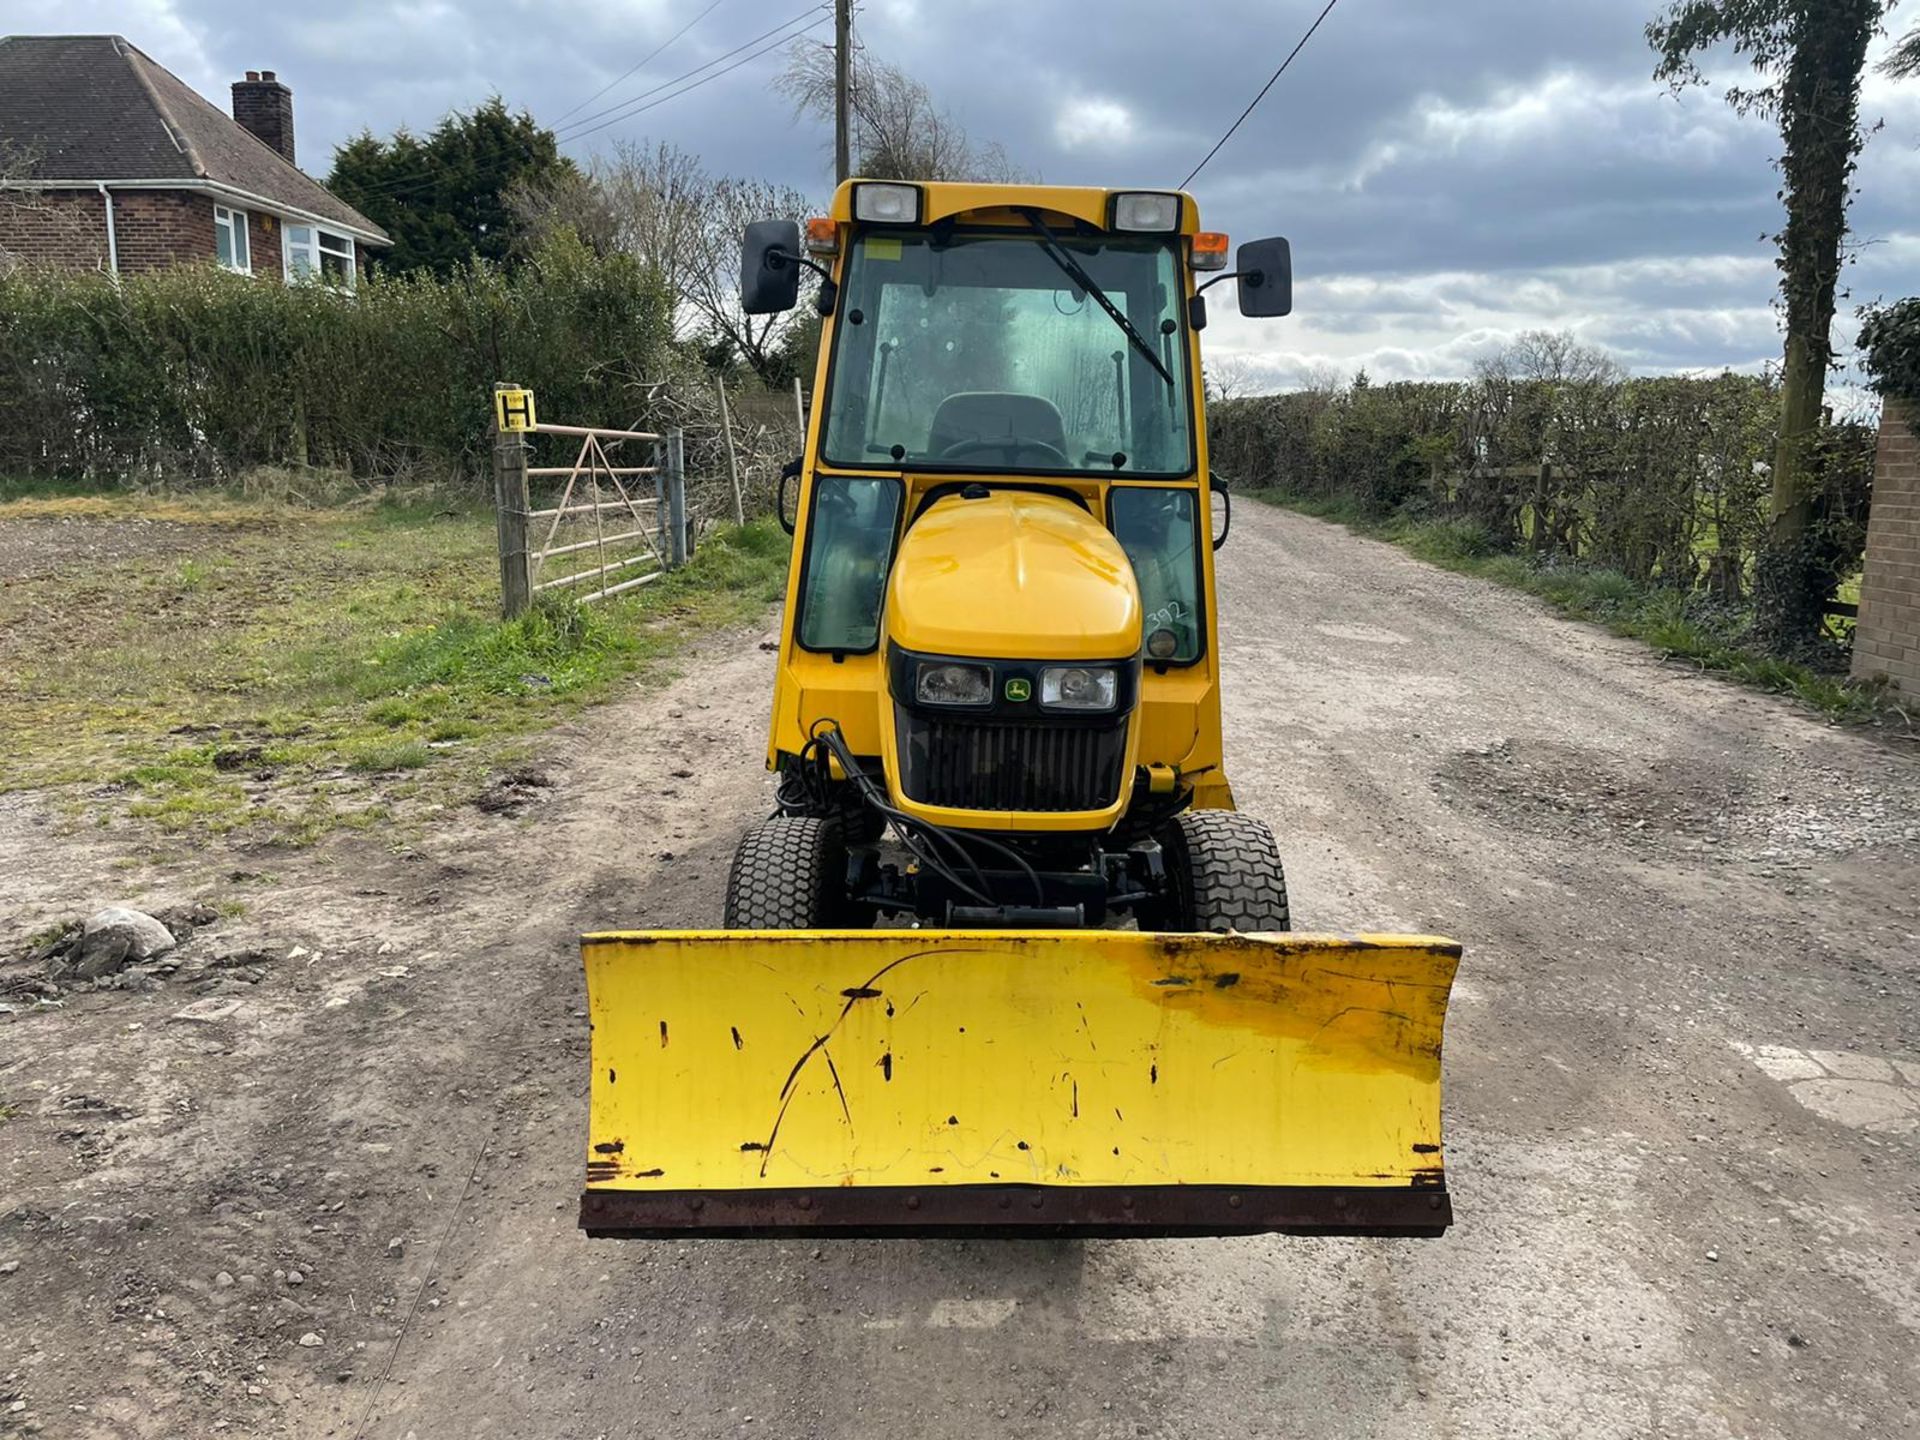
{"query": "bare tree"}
(711, 274)
(660, 205)
(52, 221)
(1228, 377)
(899, 132)
(1320, 378)
(1554, 356)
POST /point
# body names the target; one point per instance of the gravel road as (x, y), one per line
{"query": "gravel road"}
(1683, 1092)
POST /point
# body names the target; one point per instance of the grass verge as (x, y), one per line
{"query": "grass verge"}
(226, 662)
(1681, 626)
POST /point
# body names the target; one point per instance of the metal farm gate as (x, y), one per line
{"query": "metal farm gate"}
(627, 524)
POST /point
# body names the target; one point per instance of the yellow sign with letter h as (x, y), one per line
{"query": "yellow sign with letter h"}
(513, 410)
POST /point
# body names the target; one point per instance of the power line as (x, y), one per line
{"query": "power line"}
(404, 186)
(584, 124)
(1261, 96)
(743, 60)
(655, 55)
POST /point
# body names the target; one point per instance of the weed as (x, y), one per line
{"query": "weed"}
(47, 934)
(385, 756)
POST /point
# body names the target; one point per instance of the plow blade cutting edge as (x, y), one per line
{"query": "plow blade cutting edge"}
(931, 1082)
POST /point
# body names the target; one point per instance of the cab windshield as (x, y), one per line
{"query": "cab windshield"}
(982, 352)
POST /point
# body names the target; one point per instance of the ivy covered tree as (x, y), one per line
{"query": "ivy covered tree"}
(1809, 56)
(443, 199)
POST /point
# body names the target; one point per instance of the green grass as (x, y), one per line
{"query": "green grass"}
(1680, 626)
(264, 648)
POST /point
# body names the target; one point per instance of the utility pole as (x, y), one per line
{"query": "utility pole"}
(842, 62)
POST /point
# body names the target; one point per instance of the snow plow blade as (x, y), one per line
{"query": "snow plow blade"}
(926, 1082)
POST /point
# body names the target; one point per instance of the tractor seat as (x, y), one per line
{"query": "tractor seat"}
(995, 415)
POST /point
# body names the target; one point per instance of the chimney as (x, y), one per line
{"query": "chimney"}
(265, 107)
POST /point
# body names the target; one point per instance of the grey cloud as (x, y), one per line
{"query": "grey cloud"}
(1450, 170)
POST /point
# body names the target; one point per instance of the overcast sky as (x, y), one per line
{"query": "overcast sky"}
(1451, 172)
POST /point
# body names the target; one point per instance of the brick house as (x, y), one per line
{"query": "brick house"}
(110, 162)
(1886, 641)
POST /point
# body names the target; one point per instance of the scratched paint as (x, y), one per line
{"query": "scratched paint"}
(1047, 1059)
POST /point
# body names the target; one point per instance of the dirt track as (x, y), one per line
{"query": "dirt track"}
(1664, 1228)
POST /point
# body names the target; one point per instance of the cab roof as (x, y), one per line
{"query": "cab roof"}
(944, 198)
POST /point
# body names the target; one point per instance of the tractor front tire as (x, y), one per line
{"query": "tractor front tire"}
(1223, 873)
(789, 873)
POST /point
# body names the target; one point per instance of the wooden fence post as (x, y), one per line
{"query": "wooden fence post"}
(733, 460)
(800, 411)
(510, 504)
(677, 546)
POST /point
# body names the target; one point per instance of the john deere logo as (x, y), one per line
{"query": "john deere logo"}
(1019, 690)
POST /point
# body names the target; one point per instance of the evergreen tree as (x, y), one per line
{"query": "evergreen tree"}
(443, 199)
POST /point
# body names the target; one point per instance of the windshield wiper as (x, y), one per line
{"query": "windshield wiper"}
(1051, 245)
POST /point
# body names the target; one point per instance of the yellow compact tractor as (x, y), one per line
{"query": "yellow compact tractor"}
(996, 727)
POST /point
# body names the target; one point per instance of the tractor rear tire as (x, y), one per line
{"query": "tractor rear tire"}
(789, 873)
(1224, 873)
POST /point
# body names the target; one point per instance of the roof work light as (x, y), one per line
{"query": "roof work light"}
(887, 204)
(1152, 211)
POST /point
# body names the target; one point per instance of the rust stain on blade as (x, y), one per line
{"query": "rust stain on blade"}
(1387, 1003)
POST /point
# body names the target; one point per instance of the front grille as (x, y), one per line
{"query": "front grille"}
(995, 765)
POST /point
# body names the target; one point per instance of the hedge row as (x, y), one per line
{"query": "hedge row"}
(197, 374)
(1663, 479)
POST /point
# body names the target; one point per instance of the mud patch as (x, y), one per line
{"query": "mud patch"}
(1575, 792)
(1679, 801)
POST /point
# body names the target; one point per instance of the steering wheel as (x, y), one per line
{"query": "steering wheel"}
(962, 448)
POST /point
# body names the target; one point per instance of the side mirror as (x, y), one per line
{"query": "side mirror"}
(1222, 503)
(789, 517)
(1265, 270)
(769, 267)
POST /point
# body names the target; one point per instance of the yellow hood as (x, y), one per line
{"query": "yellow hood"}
(1013, 575)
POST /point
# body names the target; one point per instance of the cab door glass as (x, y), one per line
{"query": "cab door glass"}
(1158, 529)
(849, 548)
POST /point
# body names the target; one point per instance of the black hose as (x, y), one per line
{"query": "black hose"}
(828, 738)
(835, 742)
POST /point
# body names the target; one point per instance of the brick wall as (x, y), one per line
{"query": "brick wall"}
(158, 228)
(263, 235)
(66, 229)
(62, 228)
(1887, 640)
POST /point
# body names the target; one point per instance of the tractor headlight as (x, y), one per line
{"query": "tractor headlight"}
(1078, 687)
(944, 683)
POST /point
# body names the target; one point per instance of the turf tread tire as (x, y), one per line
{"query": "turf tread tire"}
(1226, 872)
(788, 874)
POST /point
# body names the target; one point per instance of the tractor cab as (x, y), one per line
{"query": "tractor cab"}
(1002, 604)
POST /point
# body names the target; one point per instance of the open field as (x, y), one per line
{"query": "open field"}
(217, 663)
(1683, 1088)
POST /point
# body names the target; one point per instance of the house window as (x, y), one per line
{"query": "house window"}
(313, 251)
(230, 239)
